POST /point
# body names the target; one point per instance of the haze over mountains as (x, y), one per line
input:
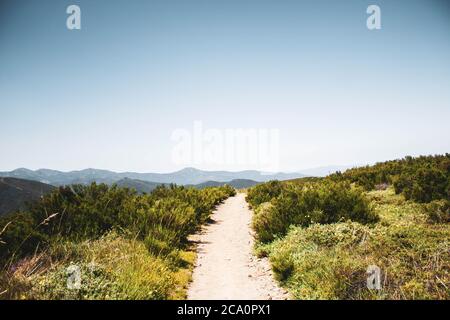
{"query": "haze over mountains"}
(187, 176)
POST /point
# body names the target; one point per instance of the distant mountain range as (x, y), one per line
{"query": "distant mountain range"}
(187, 176)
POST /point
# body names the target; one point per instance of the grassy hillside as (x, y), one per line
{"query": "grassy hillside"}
(126, 245)
(422, 179)
(16, 193)
(321, 235)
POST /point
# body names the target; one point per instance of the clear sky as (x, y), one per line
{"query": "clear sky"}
(111, 94)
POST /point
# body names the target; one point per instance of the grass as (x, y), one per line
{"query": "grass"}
(112, 267)
(330, 261)
(183, 275)
(306, 204)
(127, 246)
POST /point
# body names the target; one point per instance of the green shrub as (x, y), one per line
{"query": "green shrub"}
(97, 283)
(128, 246)
(424, 185)
(111, 268)
(438, 211)
(268, 222)
(312, 268)
(264, 192)
(422, 179)
(330, 261)
(324, 202)
(20, 236)
(202, 201)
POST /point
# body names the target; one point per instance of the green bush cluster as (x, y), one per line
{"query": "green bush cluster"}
(264, 192)
(330, 261)
(112, 267)
(422, 179)
(438, 211)
(321, 235)
(162, 219)
(301, 205)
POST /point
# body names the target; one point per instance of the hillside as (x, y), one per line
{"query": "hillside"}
(322, 234)
(317, 235)
(15, 193)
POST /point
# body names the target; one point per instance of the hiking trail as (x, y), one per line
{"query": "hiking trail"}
(225, 267)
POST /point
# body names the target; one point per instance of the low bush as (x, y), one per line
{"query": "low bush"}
(330, 261)
(321, 236)
(422, 179)
(438, 211)
(111, 267)
(151, 233)
(324, 202)
(80, 212)
(264, 192)
(424, 185)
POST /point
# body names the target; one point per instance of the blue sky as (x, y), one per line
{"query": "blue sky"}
(111, 94)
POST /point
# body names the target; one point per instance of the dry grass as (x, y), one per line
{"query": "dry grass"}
(112, 267)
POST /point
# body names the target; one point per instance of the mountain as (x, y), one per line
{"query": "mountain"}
(15, 193)
(139, 185)
(58, 178)
(183, 177)
(196, 176)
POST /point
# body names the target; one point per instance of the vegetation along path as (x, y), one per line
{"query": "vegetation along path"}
(226, 267)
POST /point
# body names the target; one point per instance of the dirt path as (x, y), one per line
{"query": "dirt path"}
(225, 267)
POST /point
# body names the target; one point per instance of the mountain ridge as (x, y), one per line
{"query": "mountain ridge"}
(186, 176)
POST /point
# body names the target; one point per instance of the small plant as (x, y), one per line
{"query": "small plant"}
(264, 192)
(321, 202)
(438, 211)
